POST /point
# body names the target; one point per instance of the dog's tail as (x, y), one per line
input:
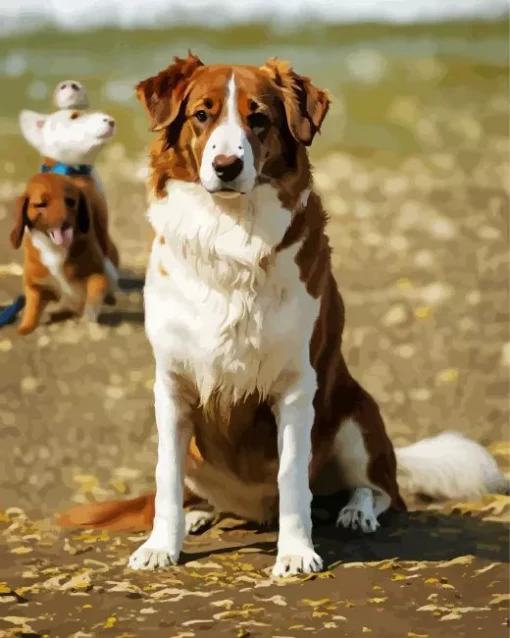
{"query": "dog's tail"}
(134, 514)
(449, 466)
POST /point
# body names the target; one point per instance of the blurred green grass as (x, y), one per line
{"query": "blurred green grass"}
(399, 90)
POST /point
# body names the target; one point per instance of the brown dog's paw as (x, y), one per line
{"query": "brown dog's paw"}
(25, 329)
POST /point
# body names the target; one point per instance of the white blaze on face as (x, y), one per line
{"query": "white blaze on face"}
(229, 139)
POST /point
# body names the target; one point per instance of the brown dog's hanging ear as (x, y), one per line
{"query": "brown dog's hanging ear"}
(83, 217)
(161, 95)
(21, 220)
(305, 105)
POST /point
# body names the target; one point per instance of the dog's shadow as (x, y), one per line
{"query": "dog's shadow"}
(415, 536)
(128, 307)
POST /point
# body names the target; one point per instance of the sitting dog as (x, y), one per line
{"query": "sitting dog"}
(66, 248)
(255, 406)
(69, 142)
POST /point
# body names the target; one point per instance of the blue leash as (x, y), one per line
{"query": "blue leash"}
(9, 314)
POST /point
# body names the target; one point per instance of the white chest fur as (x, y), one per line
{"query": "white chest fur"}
(211, 309)
(53, 258)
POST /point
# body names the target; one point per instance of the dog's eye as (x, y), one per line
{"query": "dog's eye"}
(258, 122)
(74, 86)
(201, 116)
(70, 202)
(75, 115)
(63, 86)
(40, 205)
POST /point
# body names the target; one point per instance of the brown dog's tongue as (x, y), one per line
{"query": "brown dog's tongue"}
(61, 237)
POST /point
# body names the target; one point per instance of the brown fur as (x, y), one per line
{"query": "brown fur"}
(63, 199)
(225, 458)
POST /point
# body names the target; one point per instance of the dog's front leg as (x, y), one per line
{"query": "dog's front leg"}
(164, 545)
(295, 416)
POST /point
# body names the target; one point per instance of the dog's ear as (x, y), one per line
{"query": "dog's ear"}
(20, 221)
(83, 215)
(31, 125)
(162, 94)
(305, 105)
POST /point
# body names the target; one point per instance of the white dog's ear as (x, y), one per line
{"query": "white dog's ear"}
(31, 125)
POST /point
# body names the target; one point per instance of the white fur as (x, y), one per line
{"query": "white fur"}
(53, 257)
(294, 416)
(229, 138)
(353, 459)
(164, 544)
(63, 139)
(70, 94)
(359, 511)
(99, 182)
(71, 295)
(196, 520)
(113, 275)
(235, 327)
(449, 466)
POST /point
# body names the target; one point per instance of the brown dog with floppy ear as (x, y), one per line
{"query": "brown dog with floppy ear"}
(305, 105)
(62, 232)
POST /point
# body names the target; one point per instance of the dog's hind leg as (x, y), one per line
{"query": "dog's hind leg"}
(366, 463)
(198, 520)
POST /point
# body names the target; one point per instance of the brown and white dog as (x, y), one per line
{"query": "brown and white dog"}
(67, 249)
(255, 406)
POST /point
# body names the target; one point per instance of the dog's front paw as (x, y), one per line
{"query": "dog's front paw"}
(25, 328)
(300, 561)
(91, 313)
(146, 557)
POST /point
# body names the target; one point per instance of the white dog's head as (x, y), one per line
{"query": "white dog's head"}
(68, 136)
(70, 94)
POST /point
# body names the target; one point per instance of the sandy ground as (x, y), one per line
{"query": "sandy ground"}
(421, 256)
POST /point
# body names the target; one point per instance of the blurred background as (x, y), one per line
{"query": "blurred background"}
(407, 75)
(413, 165)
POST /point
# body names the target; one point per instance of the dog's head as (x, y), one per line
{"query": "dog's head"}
(70, 94)
(230, 127)
(54, 205)
(68, 136)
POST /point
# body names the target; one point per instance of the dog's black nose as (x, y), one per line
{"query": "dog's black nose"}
(227, 167)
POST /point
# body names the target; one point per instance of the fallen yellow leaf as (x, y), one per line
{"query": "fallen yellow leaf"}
(499, 598)
(404, 284)
(110, 622)
(460, 560)
(316, 603)
(422, 312)
(447, 376)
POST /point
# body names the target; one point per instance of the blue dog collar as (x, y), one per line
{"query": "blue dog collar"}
(68, 169)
